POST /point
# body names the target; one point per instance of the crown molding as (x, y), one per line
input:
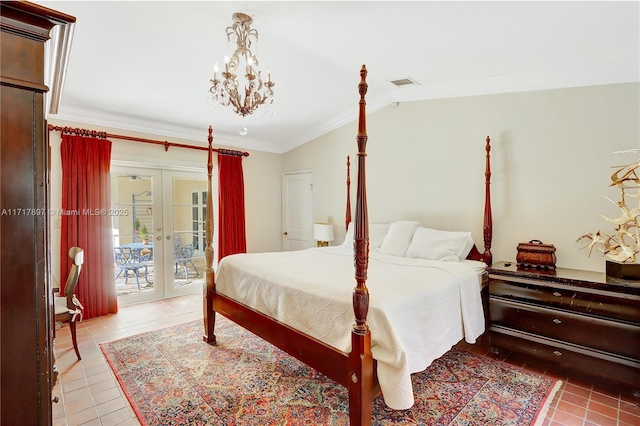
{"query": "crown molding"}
(373, 104)
(618, 72)
(166, 130)
(592, 75)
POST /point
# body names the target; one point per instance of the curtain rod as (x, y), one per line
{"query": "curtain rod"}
(105, 135)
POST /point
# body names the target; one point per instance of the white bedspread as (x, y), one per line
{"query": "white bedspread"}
(418, 308)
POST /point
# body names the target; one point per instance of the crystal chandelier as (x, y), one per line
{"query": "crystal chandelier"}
(227, 90)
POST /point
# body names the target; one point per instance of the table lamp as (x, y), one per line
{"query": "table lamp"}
(322, 233)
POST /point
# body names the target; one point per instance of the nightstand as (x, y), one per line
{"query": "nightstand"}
(579, 322)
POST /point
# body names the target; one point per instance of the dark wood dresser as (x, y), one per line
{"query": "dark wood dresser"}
(583, 323)
(25, 295)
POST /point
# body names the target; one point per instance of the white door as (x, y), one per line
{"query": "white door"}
(167, 207)
(297, 210)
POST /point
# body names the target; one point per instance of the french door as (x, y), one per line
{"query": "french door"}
(159, 236)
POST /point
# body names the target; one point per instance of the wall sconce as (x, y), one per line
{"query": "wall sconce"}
(323, 234)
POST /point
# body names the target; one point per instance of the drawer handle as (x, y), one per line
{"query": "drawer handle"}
(557, 353)
(555, 293)
(557, 321)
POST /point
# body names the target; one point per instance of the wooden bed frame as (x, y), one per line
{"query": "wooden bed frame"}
(355, 370)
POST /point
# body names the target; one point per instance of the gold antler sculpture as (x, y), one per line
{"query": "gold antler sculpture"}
(624, 245)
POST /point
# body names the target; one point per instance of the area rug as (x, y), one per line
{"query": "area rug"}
(172, 377)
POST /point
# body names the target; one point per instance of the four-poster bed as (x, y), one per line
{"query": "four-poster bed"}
(321, 343)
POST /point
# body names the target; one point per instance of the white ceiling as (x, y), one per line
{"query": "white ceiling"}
(145, 66)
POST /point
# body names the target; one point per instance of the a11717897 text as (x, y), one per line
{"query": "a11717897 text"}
(64, 212)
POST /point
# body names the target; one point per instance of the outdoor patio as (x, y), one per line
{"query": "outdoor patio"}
(146, 279)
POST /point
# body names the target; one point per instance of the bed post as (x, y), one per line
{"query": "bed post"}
(347, 220)
(488, 223)
(209, 283)
(361, 373)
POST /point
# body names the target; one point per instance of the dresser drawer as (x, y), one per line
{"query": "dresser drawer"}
(605, 335)
(591, 301)
(616, 375)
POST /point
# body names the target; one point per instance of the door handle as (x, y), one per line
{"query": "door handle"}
(285, 233)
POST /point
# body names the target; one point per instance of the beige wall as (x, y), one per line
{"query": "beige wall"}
(262, 174)
(551, 157)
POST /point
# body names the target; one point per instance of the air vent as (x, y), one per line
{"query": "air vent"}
(404, 82)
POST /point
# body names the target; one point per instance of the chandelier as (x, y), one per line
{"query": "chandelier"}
(226, 89)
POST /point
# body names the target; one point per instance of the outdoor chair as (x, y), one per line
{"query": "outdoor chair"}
(184, 255)
(177, 242)
(129, 259)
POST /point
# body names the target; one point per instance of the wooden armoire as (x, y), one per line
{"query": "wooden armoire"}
(26, 321)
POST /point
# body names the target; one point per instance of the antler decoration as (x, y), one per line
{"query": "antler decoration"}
(624, 246)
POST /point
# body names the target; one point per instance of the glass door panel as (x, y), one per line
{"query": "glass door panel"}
(137, 257)
(186, 216)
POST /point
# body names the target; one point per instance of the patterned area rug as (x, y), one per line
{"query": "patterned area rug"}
(172, 377)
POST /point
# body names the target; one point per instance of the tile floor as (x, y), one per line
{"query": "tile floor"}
(90, 395)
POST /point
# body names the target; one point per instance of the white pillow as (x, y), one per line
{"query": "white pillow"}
(398, 237)
(377, 233)
(434, 244)
(348, 238)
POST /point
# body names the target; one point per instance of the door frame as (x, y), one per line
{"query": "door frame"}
(164, 290)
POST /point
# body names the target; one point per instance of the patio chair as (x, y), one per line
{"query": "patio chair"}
(184, 255)
(129, 259)
(177, 242)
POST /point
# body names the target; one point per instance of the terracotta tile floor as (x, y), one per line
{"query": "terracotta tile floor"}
(576, 403)
(90, 395)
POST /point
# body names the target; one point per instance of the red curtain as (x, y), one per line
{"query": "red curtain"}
(86, 223)
(231, 229)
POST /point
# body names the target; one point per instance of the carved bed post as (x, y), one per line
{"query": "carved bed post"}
(488, 223)
(209, 284)
(360, 359)
(348, 212)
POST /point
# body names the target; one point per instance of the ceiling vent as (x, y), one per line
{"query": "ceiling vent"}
(402, 82)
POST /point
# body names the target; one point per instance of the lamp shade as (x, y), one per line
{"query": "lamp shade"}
(323, 232)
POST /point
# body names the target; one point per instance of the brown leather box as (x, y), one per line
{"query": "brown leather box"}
(536, 254)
